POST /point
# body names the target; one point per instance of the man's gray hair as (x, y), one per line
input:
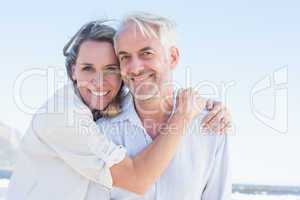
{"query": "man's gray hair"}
(151, 25)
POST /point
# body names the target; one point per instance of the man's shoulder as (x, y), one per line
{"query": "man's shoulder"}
(201, 137)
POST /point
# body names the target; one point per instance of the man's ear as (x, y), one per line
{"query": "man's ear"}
(174, 57)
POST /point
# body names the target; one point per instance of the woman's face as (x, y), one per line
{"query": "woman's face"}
(97, 73)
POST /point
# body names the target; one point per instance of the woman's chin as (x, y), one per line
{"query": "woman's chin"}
(98, 104)
(98, 107)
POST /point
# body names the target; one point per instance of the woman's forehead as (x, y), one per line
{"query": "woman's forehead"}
(96, 51)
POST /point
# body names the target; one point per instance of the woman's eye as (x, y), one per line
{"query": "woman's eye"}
(112, 69)
(87, 68)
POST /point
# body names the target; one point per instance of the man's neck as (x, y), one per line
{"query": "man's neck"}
(154, 113)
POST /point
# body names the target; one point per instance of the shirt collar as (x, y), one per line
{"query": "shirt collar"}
(129, 113)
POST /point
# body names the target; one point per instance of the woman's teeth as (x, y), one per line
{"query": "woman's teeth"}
(99, 94)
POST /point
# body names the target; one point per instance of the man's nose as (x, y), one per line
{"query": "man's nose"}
(135, 66)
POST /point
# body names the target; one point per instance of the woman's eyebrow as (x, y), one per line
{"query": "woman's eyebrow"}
(84, 63)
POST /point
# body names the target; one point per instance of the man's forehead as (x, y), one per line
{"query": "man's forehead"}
(131, 36)
(137, 31)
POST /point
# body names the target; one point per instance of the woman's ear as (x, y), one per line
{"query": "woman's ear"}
(74, 78)
(174, 57)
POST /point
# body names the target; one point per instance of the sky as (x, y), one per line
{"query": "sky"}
(245, 53)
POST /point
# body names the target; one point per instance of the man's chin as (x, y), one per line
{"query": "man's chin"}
(145, 96)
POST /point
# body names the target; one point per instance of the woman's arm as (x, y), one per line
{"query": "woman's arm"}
(74, 137)
(138, 173)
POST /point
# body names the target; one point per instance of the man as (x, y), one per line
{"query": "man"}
(146, 47)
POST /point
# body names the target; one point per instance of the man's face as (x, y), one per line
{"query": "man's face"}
(145, 64)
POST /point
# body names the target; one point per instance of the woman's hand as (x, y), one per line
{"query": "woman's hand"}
(137, 174)
(218, 119)
(189, 103)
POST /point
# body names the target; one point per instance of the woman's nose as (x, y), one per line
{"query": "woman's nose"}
(98, 79)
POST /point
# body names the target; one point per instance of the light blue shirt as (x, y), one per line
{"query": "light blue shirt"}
(199, 169)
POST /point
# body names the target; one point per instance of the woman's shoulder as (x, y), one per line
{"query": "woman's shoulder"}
(61, 109)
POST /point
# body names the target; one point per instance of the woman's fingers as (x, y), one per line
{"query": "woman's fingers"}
(218, 119)
(199, 103)
(226, 124)
(190, 103)
(216, 109)
(215, 124)
(209, 104)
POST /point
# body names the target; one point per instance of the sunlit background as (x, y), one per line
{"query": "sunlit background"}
(240, 45)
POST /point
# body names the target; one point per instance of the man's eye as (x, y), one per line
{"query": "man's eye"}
(122, 58)
(147, 54)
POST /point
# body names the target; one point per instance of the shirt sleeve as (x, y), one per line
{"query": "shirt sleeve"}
(219, 184)
(77, 140)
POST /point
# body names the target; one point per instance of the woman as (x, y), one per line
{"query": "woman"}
(63, 150)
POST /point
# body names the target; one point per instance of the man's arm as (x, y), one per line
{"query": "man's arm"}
(219, 186)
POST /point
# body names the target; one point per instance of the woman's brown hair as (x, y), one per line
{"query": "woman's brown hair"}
(94, 31)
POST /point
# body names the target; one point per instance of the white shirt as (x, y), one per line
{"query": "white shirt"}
(62, 153)
(199, 169)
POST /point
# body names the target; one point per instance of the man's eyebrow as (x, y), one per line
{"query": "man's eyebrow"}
(146, 49)
(143, 49)
(122, 53)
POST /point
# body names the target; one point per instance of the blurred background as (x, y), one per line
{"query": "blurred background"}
(244, 53)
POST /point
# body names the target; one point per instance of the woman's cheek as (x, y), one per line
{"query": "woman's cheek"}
(115, 82)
